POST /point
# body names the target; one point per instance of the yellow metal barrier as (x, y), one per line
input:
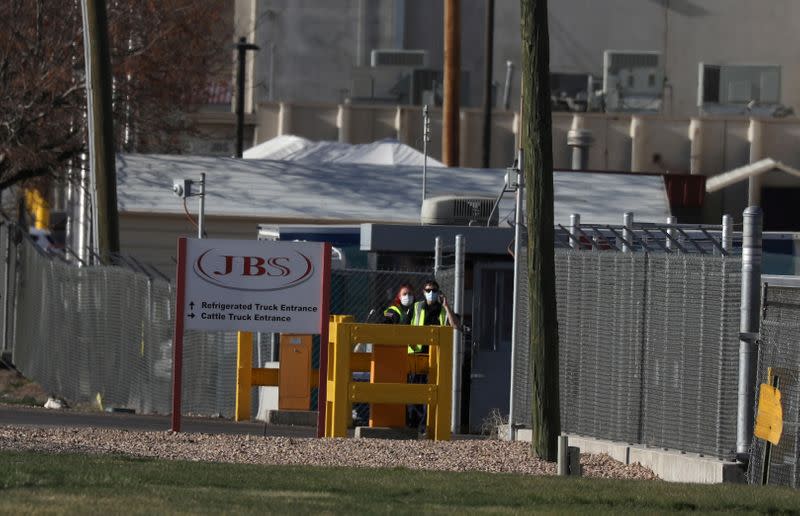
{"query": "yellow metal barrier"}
(284, 378)
(343, 391)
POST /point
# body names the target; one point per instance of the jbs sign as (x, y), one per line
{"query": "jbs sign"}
(253, 285)
(262, 273)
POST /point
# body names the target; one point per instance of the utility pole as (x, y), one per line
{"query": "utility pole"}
(241, 48)
(452, 68)
(538, 169)
(101, 128)
(487, 83)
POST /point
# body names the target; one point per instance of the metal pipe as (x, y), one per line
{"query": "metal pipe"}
(638, 159)
(580, 140)
(239, 98)
(202, 211)
(488, 52)
(563, 456)
(399, 23)
(88, 167)
(574, 228)
(271, 72)
(727, 233)
(755, 137)
(458, 352)
(671, 220)
(426, 136)
(696, 146)
(437, 255)
(748, 328)
(507, 86)
(258, 352)
(627, 231)
(241, 48)
(518, 200)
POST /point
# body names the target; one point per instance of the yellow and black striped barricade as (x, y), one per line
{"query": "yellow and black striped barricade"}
(343, 391)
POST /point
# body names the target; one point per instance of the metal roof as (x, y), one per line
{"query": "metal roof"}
(281, 191)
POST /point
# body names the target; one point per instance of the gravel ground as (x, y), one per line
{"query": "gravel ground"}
(460, 455)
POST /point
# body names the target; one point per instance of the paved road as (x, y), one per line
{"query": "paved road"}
(42, 417)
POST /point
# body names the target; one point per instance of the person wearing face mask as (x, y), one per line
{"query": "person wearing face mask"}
(402, 308)
(434, 310)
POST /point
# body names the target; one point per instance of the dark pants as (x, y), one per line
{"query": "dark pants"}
(415, 414)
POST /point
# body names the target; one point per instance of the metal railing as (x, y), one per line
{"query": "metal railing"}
(342, 391)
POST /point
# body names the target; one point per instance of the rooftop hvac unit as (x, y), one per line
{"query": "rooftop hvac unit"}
(458, 211)
(730, 88)
(632, 80)
(405, 58)
(574, 91)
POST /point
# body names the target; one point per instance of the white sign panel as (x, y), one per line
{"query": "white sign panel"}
(253, 285)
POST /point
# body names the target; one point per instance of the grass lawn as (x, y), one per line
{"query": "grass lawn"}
(82, 484)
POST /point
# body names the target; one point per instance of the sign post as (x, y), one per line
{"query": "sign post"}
(249, 285)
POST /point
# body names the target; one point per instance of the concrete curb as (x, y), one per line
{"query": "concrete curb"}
(669, 465)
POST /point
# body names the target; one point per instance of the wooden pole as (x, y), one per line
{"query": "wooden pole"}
(538, 169)
(452, 67)
(101, 128)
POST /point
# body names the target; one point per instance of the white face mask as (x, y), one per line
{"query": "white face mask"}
(431, 296)
(407, 299)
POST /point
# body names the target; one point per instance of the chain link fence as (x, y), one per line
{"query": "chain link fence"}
(648, 342)
(103, 334)
(779, 353)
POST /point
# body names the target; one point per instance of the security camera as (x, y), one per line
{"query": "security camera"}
(182, 187)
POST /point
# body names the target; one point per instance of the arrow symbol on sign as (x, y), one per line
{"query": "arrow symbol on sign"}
(191, 305)
(191, 316)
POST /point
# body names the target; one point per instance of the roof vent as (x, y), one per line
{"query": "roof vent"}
(406, 58)
(458, 211)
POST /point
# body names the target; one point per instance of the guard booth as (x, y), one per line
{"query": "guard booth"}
(487, 307)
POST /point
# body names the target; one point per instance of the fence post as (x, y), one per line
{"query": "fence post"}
(515, 319)
(671, 220)
(748, 328)
(562, 463)
(574, 226)
(437, 255)
(627, 232)
(727, 233)
(458, 305)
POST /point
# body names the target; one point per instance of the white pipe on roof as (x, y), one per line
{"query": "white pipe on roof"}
(740, 174)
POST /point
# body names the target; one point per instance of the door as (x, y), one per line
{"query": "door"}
(491, 343)
(294, 383)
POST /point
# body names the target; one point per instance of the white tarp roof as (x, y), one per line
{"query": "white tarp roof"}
(283, 191)
(301, 150)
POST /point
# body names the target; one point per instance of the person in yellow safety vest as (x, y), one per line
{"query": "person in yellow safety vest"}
(401, 309)
(434, 310)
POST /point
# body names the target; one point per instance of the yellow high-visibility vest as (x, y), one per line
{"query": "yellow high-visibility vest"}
(419, 320)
